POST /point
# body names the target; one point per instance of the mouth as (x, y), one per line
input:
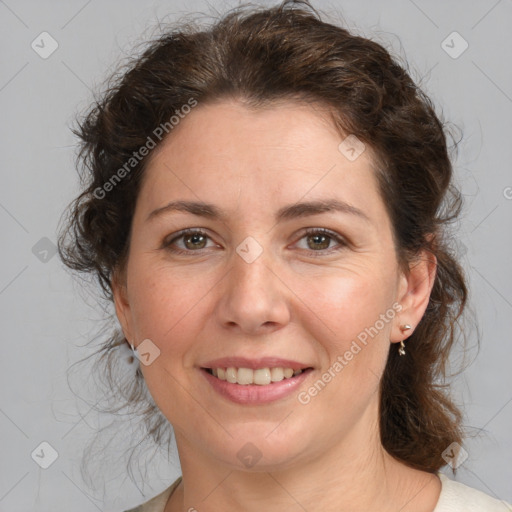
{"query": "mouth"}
(255, 376)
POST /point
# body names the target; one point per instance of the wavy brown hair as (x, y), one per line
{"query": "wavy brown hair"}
(259, 56)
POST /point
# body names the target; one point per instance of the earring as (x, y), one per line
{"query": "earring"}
(128, 354)
(401, 348)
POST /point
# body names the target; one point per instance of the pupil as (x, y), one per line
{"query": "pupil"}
(195, 241)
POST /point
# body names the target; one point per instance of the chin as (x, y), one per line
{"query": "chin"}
(262, 450)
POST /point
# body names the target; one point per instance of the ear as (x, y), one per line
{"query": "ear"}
(122, 305)
(414, 294)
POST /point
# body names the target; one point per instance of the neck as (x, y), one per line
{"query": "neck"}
(353, 475)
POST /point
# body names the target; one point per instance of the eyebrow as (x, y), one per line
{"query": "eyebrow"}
(292, 211)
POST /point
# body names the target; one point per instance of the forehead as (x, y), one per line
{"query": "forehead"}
(226, 152)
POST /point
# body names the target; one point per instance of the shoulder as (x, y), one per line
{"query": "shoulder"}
(157, 504)
(457, 497)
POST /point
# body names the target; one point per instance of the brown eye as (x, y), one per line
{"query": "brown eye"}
(187, 241)
(318, 241)
(321, 241)
(196, 241)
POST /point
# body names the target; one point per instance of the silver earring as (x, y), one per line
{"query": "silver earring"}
(401, 348)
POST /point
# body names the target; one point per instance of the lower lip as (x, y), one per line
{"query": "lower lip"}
(254, 394)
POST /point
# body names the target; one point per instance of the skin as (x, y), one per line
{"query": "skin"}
(298, 300)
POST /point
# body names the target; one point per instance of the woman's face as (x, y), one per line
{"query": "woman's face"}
(261, 286)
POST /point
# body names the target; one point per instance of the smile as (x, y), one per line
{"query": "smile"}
(247, 386)
(259, 376)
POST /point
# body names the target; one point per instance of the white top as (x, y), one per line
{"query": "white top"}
(454, 497)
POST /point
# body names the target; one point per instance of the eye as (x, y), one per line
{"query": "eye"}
(191, 240)
(320, 240)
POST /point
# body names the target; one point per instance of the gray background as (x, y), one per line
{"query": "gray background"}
(45, 320)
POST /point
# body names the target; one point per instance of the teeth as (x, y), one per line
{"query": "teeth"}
(245, 376)
(231, 375)
(288, 372)
(260, 377)
(276, 374)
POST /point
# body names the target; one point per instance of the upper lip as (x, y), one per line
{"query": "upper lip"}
(262, 362)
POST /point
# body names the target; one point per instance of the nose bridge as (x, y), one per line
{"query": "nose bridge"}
(253, 297)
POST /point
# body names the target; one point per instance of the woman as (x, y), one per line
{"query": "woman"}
(266, 206)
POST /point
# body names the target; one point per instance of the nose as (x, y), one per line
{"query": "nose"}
(253, 298)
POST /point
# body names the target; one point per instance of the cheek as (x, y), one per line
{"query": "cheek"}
(165, 304)
(346, 306)
(345, 317)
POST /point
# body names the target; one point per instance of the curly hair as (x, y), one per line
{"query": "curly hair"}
(259, 56)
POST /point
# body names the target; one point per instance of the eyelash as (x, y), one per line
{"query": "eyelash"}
(308, 232)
